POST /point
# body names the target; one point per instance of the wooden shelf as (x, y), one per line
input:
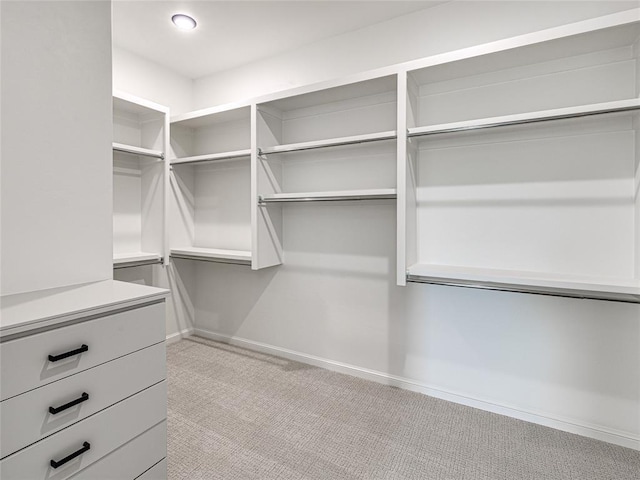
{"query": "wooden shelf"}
(574, 286)
(525, 118)
(135, 259)
(130, 149)
(239, 257)
(344, 195)
(212, 157)
(331, 142)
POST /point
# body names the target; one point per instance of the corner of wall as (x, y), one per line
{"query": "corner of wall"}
(151, 81)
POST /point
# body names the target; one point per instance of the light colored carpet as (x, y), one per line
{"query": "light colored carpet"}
(235, 414)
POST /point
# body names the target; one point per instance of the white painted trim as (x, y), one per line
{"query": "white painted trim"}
(177, 336)
(597, 432)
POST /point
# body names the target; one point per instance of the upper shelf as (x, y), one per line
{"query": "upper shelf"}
(130, 149)
(212, 116)
(345, 195)
(531, 117)
(574, 286)
(212, 157)
(331, 142)
(143, 108)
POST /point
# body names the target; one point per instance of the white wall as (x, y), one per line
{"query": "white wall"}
(56, 144)
(145, 79)
(179, 278)
(439, 29)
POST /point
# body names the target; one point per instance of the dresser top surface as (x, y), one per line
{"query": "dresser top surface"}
(25, 311)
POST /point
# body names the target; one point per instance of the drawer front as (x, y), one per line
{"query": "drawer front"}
(26, 418)
(132, 459)
(103, 432)
(157, 472)
(26, 360)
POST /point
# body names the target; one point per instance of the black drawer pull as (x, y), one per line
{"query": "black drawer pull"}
(85, 447)
(77, 351)
(83, 398)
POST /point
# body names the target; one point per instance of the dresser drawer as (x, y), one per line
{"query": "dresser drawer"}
(105, 338)
(102, 433)
(133, 459)
(26, 418)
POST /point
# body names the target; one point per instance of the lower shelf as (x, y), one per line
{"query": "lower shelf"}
(137, 259)
(573, 286)
(238, 257)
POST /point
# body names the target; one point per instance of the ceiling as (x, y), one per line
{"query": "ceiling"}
(233, 33)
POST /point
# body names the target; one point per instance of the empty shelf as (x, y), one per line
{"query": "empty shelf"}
(212, 157)
(124, 260)
(332, 142)
(145, 152)
(239, 257)
(575, 286)
(346, 195)
(531, 117)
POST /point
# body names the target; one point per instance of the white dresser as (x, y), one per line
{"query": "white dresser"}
(83, 384)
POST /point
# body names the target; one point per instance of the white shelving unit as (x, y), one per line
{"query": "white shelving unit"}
(140, 176)
(331, 144)
(522, 171)
(211, 181)
(513, 164)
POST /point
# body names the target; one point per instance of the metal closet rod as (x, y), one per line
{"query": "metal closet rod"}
(199, 258)
(523, 121)
(534, 290)
(328, 143)
(138, 263)
(333, 198)
(211, 158)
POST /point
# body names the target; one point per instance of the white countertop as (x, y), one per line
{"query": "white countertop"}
(26, 311)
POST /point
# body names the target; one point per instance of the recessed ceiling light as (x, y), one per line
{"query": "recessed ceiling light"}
(183, 22)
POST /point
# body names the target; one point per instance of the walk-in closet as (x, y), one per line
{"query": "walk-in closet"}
(320, 240)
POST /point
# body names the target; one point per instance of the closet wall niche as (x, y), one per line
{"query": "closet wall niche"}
(523, 171)
(331, 145)
(211, 181)
(140, 130)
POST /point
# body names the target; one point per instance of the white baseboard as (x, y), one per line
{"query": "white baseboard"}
(567, 425)
(176, 337)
